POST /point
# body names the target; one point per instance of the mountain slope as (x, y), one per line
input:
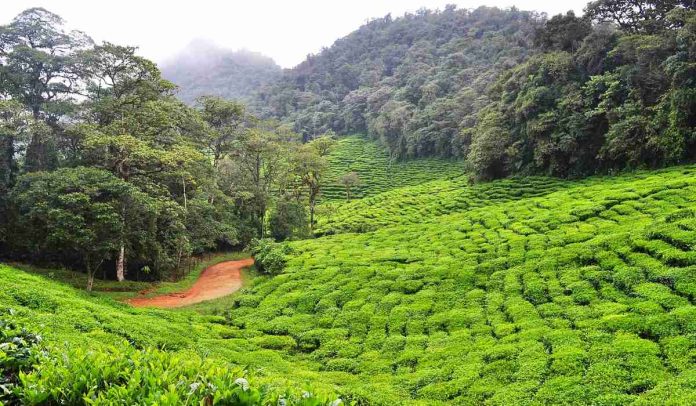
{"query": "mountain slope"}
(376, 172)
(203, 69)
(411, 81)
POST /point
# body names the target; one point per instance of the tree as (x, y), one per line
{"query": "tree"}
(324, 144)
(38, 68)
(562, 33)
(75, 210)
(13, 123)
(349, 181)
(134, 128)
(309, 166)
(636, 16)
(252, 170)
(288, 219)
(227, 120)
(488, 155)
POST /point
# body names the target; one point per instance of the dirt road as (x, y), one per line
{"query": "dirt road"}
(215, 281)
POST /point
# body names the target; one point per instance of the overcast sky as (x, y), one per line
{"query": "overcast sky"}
(284, 30)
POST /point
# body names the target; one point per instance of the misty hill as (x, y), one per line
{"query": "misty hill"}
(411, 81)
(203, 68)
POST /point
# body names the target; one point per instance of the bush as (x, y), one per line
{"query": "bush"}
(18, 352)
(269, 255)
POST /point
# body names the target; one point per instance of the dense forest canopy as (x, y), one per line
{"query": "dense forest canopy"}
(411, 81)
(510, 90)
(204, 69)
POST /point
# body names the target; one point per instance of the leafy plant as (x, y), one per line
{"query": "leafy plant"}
(270, 256)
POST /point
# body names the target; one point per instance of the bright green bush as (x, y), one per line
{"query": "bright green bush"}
(269, 255)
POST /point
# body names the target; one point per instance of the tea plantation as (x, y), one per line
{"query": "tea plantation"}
(584, 295)
(529, 291)
(376, 172)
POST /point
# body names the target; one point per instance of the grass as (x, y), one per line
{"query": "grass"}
(526, 291)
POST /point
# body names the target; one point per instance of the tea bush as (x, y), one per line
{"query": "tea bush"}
(522, 291)
(269, 256)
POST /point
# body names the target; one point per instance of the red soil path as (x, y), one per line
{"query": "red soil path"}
(215, 281)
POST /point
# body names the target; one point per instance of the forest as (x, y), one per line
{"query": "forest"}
(205, 69)
(103, 169)
(460, 206)
(513, 92)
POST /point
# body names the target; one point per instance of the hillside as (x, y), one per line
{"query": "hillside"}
(376, 172)
(204, 69)
(410, 81)
(543, 293)
(512, 91)
(515, 223)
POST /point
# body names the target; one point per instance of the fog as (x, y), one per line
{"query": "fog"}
(285, 30)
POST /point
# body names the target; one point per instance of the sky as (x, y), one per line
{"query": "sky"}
(285, 30)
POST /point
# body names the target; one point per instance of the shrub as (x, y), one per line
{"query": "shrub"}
(270, 256)
(19, 350)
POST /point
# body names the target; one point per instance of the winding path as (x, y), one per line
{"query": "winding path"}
(215, 281)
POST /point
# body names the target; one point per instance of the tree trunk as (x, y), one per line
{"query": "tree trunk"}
(121, 263)
(7, 166)
(312, 203)
(90, 277)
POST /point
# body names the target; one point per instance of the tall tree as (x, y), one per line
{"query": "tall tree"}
(38, 67)
(563, 32)
(135, 127)
(310, 167)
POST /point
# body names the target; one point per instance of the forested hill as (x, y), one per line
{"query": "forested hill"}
(412, 80)
(511, 91)
(204, 69)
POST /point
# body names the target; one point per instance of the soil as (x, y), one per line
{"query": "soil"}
(216, 281)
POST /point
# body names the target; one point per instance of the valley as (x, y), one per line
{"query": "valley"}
(452, 206)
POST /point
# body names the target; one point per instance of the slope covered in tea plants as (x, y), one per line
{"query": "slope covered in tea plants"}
(428, 200)
(377, 172)
(540, 292)
(584, 295)
(98, 351)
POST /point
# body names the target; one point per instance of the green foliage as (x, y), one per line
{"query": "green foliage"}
(596, 99)
(411, 82)
(78, 212)
(18, 352)
(288, 220)
(95, 350)
(270, 256)
(636, 16)
(126, 375)
(524, 290)
(509, 90)
(376, 172)
(199, 179)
